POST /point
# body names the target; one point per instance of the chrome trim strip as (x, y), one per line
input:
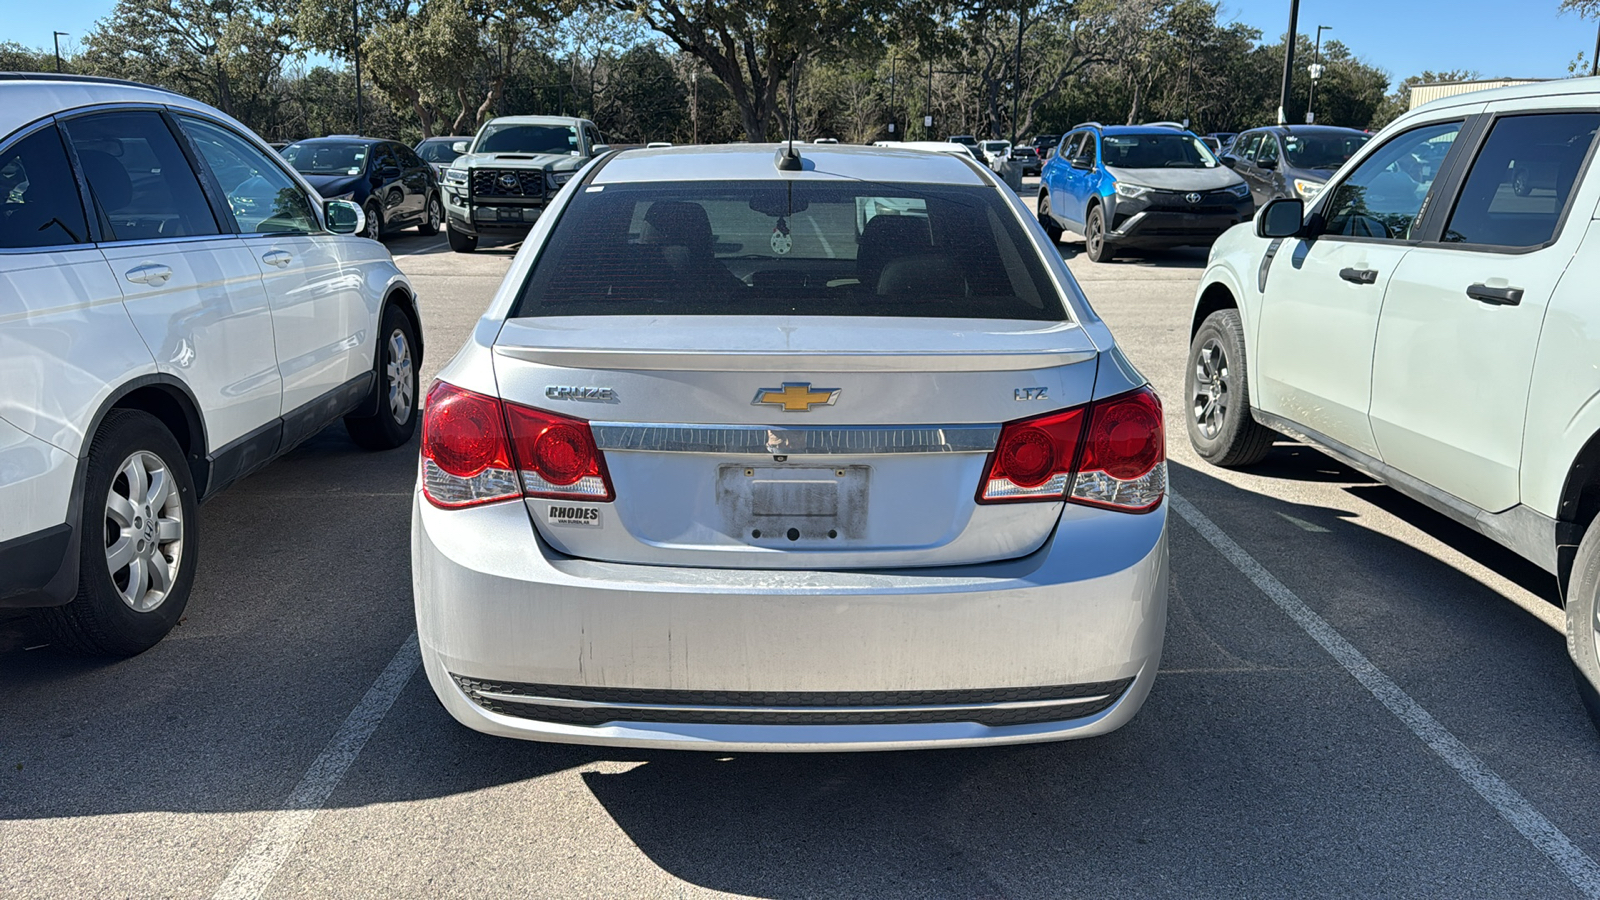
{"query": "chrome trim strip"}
(644, 360)
(761, 440)
(1521, 529)
(820, 710)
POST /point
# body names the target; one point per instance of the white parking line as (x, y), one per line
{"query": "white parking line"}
(1511, 806)
(261, 860)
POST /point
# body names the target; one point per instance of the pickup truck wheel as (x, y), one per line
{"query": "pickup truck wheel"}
(1583, 621)
(396, 419)
(137, 541)
(1221, 428)
(1045, 219)
(1094, 237)
(432, 217)
(461, 243)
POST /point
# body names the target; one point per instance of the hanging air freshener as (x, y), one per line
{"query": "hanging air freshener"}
(782, 243)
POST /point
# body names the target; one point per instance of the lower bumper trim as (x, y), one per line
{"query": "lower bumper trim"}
(574, 705)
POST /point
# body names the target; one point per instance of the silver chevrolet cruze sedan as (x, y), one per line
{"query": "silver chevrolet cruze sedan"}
(755, 455)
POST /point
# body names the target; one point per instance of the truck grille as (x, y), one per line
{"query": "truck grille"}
(499, 183)
(577, 705)
(1210, 202)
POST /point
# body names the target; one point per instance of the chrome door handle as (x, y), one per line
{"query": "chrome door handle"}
(1495, 296)
(152, 274)
(1359, 276)
(279, 258)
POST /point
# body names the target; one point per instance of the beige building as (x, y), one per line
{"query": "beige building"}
(1426, 93)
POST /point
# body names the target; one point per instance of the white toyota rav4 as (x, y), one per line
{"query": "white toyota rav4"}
(177, 307)
(1430, 320)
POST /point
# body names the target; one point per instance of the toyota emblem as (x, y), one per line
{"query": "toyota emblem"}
(509, 182)
(1192, 197)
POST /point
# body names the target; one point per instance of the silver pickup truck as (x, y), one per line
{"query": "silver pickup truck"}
(509, 172)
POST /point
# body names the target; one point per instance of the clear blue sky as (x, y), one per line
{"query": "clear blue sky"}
(1520, 38)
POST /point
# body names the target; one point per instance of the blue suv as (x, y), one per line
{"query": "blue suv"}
(1145, 186)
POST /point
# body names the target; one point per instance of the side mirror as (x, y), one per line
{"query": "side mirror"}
(460, 146)
(1231, 162)
(1281, 218)
(344, 217)
(1267, 163)
(598, 149)
(1082, 162)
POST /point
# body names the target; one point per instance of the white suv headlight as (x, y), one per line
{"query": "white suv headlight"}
(1131, 190)
(1239, 190)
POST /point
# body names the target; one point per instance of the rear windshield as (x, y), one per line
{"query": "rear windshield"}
(790, 248)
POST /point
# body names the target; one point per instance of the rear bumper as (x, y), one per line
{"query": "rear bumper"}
(38, 546)
(1062, 643)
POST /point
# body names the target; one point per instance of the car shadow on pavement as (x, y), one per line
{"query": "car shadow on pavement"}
(1071, 247)
(413, 244)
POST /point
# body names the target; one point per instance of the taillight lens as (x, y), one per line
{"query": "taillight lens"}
(470, 456)
(1111, 453)
(557, 456)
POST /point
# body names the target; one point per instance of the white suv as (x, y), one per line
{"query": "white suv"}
(177, 308)
(1430, 320)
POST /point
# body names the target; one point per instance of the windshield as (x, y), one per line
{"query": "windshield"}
(845, 248)
(995, 145)
(438, 150)
(511, 138)
(327, 158)
(1322, 151)
(1156, 151)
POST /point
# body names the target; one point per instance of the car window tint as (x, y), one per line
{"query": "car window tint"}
(1269, 149)
(39, 201)
(1384, 196)
(408, 159)
(383, 158)
(1514, 195)
(1089, 149)
(790, 248)
(1248, 145)
(261, 197)
(139, 178)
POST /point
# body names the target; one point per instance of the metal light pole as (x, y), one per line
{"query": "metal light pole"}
(891, 93)
(927, 112)
(694, 108)
(59, 35)
(1316, 71)
(355, 23)
(1016, 82)
(1594, 63)
(1288, 59)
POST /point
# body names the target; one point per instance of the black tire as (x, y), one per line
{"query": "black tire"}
(461, 243)
(100, 621)
(396, 387)
(374, 228)
(432, 216)
(1045, 219)
(1520, 184)
(1095, 245)
(1583, 645)
(1217, 394)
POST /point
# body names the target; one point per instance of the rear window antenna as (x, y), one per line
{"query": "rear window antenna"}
(788, 160)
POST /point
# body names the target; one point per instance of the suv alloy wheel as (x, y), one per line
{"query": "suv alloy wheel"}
(1221, 429)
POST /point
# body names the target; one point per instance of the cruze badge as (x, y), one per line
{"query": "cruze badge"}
(1192, 198)
(796, 396)
(591, 394)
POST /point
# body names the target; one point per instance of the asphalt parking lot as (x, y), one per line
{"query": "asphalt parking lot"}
(1358, 698)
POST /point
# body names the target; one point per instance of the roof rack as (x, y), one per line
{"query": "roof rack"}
(1178, 125)
(1087, 125)
(65, 76)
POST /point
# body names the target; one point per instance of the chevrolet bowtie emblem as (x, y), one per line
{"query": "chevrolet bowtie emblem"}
(796, 396)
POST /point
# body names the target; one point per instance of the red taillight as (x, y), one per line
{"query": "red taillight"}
(1115, 460)
(557, 456)
(470, 457)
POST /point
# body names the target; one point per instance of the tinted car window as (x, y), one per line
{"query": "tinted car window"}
(513, 138)
(261, 197)
(383, 158)
(1156, 151)
(1245, 146)
(408, 159)
(1514, 195)
(39, 202)
(140, 179)
(327, 157)
(1322, 151)
(1269, 149)
(790, 248)
(434, 150)
(1383, 197)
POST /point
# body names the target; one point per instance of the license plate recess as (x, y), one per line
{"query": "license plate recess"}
(782, 506)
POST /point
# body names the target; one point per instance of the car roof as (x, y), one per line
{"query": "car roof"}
(1589, 87)
(26, 97)
(824, 162)
(446, 137)
(1140, 129)
(535, 120)
(1306, 129)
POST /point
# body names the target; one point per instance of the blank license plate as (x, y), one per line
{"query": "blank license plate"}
(784, 505)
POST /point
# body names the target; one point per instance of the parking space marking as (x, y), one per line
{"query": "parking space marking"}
(1512, 806)
(262, 859)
